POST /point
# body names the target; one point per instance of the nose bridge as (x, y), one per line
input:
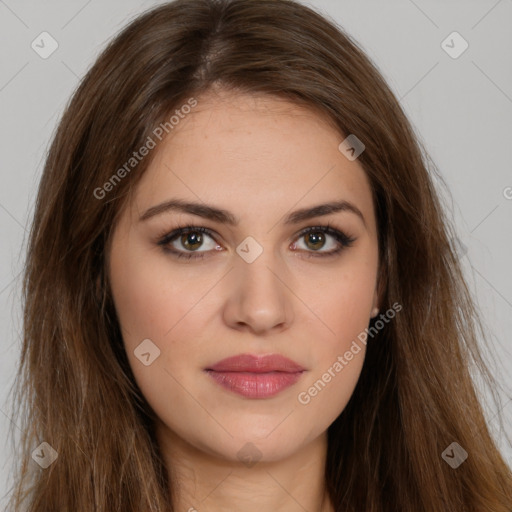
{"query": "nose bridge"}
(257, 267)
(258, 296)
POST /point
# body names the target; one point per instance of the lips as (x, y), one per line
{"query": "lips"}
(256, 376)
(256, 364)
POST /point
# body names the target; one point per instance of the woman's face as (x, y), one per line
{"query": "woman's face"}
(255, 283)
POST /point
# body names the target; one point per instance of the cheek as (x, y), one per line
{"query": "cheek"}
(344, 305)
(325, 394)
(337, 356)
(338, 353)
(154, 306)
(148, 302)
(163, 306)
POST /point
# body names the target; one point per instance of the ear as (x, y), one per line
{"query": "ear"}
(375, 305)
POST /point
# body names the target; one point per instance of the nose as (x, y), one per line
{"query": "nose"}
(258, 299)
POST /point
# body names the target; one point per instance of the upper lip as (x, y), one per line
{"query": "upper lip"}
(256, 364)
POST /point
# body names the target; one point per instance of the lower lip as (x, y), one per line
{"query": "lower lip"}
(255, 385)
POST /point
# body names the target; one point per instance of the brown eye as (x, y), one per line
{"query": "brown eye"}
(185, 242)
(323, 237)
(315, 240)
(192, 240)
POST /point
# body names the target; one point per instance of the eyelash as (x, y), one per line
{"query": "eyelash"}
(344, 240)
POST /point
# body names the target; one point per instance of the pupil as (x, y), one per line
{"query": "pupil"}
(191, 239)
(316, 238)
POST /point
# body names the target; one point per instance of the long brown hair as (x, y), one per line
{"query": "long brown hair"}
(415, 395)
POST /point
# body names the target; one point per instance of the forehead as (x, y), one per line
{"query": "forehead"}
(253, 153)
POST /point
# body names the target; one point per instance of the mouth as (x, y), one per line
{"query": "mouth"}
(256, 376)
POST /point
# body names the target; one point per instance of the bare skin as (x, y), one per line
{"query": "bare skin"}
(260, 158)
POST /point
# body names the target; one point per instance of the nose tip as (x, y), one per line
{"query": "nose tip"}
(258, 298)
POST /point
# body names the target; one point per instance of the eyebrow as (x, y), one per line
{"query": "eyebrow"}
(225, 217)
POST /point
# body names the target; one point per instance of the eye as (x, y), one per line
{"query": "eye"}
(191, 238)
(316, 238)
(185, 242)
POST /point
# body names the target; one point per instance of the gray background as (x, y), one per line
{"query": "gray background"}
(461, 108)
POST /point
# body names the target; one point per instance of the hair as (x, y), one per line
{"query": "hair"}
(74, 386)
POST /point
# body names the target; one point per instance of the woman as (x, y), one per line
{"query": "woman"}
(240, 291)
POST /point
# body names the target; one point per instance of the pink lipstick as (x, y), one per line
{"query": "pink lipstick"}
(256, 376)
